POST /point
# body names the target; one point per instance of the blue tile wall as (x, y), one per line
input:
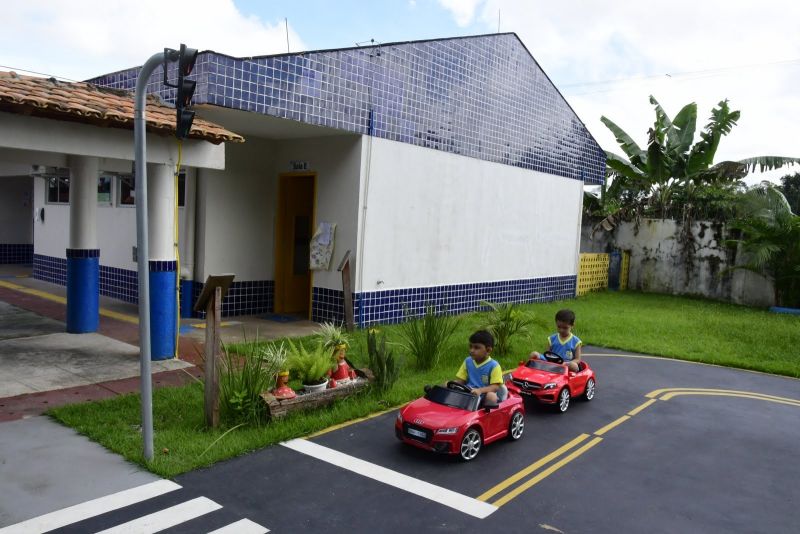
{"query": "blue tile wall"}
(121, 284)
(117, 283)
(16, 253)
(483, 97)
(390, 306)
(83, 253)
(50, 269)
(327, 305)
(243, 298)
(162, 266)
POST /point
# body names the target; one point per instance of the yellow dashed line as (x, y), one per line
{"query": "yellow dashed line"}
(531, 468)
(768, 398)
(544, 474)
(641, 407)
(611, 425)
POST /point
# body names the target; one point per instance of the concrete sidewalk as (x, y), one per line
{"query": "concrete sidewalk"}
(41, 366)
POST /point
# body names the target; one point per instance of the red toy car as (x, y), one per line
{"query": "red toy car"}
(452, 420)
(551, 381)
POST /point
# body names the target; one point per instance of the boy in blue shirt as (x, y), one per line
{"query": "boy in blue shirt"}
(564, 342)
(480, 372)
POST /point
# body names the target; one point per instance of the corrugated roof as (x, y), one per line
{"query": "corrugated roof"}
(87, 103)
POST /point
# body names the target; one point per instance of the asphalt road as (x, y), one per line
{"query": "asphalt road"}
(648, 454)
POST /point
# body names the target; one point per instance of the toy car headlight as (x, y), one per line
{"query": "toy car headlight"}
(451, 430)
(549, 385)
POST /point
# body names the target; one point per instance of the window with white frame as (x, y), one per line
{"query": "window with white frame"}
(104, 189)
(57, 191)
(126, 190)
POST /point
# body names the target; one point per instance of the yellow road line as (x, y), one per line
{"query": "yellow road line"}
(62, 300)
(611, 425)
(545, 473)
(531, 468)
(790, 402)
(352, 422)
(641, 407)
(688, 391)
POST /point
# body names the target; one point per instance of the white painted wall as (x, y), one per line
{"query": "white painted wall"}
(51, 236)
(435, 218)
(16, 213)
(116, 225)
(235, 213)
(337, 162)
(237, 207)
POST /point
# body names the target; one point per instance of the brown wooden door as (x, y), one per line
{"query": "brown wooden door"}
(295, 225)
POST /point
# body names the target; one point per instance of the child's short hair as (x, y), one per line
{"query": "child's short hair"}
(483, 337)
(565, 316)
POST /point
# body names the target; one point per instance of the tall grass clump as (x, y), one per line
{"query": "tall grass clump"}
(505, 320)
(424, 338)
(381, 362)
(243, 375)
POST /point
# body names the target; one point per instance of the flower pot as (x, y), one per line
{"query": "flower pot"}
(316, 387)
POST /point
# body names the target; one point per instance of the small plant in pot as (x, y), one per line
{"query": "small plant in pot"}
(311, 366)
(334, 340)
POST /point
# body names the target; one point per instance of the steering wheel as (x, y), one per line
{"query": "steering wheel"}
(551, 356)
(458, 386)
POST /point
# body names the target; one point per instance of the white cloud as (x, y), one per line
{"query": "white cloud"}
(85, 38)
(588, 41)
(463, 10)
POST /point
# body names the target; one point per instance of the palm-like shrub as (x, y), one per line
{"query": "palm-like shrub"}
(424, 338)
(309, 365)
(244, 375)
(331, 336)
(505, 321)
(770, 239)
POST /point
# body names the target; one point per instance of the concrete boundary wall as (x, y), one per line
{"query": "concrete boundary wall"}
(663, 261)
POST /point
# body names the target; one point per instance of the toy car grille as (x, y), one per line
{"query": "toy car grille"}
(417, 433)
(526, 385)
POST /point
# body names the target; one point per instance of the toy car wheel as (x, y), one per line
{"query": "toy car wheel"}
(588, 393)
(563, 400)
(470, 445)
(516, 426)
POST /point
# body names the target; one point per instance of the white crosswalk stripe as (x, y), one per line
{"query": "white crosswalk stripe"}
(244, 526)
(152, 522)
(166, 518)
(89, 509)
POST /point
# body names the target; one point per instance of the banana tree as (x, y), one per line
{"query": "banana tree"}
(671, 172)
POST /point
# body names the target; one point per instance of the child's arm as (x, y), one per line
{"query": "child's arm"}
(576, 355)
(536, 356)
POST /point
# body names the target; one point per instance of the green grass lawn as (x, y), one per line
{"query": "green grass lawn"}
(675, 327)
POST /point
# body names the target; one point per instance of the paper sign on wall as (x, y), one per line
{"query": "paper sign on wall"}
(322, 246)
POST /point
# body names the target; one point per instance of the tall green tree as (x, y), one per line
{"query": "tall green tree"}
(790, 187)
(673, 172)
(770, 239)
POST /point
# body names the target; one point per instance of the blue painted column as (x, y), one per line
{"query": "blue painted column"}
(83, 290)
(163, 275)
(162, 309)
(83, 256)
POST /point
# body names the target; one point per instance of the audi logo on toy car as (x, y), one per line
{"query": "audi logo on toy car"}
(418, 421)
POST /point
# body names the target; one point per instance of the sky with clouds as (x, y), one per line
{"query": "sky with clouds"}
(605, 57)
